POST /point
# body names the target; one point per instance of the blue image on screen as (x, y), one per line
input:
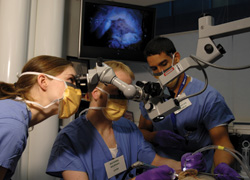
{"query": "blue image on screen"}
(114, 27)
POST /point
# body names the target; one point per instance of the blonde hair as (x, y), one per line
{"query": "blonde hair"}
(45, 64)
(117, 65)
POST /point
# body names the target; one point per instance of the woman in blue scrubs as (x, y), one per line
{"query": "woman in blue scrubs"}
(35, 97)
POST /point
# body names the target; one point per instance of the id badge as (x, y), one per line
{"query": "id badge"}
(115, 166)
(183, 104)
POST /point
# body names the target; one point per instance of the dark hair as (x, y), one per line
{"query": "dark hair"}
(45, 64)
(159, 45)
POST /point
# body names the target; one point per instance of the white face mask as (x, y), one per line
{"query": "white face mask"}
(173, 83)
(69, 103)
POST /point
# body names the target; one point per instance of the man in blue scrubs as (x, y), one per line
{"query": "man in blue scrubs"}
(202, 120)
(102, 144)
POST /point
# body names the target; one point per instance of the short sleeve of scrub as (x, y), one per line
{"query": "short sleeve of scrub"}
(14, 119)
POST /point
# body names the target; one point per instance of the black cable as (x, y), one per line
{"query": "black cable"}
(137, 165)
(126, 173)
(196, 59)
(206, 82)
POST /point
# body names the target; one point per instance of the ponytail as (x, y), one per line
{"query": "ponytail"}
(7, 91)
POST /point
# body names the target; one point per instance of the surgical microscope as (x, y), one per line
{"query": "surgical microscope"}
(155, 96)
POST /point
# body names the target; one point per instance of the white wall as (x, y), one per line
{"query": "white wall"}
(48, 40)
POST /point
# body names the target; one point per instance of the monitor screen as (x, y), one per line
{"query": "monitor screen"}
(114, 30)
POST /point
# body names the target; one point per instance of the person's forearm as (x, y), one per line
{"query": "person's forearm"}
(222, 156)
(148, 135)
(220, 137)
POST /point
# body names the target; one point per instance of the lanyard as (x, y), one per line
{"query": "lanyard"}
(172, 115)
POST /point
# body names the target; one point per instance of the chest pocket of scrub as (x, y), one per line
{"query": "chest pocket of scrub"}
(190, 135)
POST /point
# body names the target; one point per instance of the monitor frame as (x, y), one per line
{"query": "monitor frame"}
(93, 52)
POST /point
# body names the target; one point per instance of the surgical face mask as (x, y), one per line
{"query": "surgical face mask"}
(115, 108)
(68, 104)
(172, 83)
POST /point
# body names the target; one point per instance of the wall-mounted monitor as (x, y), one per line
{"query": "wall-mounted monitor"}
(114, 30)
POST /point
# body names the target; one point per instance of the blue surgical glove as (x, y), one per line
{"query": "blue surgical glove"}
(159, 173)
(166, 138)
(227, 173)
(193, 161)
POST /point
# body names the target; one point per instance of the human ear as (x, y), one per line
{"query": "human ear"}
(177, 57)
(42, 82)
(95, 94)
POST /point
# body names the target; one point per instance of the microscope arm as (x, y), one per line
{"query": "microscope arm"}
(207, 29)
(105, 74)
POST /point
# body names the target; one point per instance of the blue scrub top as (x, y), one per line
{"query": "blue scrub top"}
(80, 147)
(207, 111)
(14, 124)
